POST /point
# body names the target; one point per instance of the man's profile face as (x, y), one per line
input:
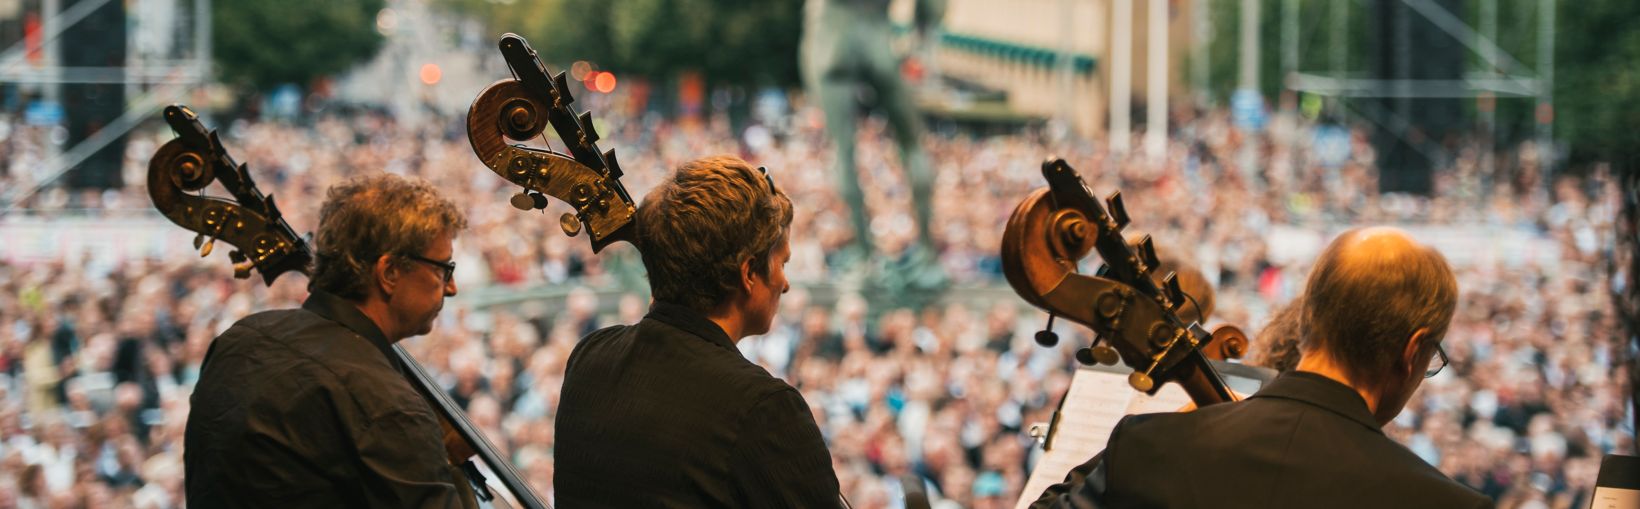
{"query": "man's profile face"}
(423, 286)
(764, 299)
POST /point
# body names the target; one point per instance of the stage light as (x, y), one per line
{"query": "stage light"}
(430, 74)
(579, 70)
(604, 82)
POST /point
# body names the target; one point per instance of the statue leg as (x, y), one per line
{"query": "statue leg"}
(838, 102)
(918, 278)
(901, 107)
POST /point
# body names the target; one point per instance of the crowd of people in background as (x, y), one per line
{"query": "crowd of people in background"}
(98, 362)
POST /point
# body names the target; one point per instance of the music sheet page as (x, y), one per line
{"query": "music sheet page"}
(1098, 397)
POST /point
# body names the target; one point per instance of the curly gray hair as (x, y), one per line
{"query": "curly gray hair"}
(374, 215)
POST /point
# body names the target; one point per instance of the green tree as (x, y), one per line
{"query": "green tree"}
(1597, 82)
(263, 44)
(729, 42)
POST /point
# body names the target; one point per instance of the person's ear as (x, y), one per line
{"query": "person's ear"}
(387, 274)
(1415, 347)
(746, 275)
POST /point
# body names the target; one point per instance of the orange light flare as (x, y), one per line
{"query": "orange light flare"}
(604, 82)
(430, 74)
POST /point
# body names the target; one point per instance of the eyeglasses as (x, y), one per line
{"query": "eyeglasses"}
(1434, 368)
(768, 178)
(449, 267)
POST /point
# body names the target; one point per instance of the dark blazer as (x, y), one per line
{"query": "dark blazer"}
(1302, 441)
(667, 413)
(308, 408)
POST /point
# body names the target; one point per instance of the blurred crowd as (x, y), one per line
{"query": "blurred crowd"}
(98, 362)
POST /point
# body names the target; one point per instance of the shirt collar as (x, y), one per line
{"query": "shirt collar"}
(691, 321)
(1323, 392)
(342, 311)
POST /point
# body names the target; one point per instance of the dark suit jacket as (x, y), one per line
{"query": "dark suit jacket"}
(308, 408)
(667, 413)
(1302, 441)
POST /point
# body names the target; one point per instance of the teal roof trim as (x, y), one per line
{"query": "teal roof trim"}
(1034, 56)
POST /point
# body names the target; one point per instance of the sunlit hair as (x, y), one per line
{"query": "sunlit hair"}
(374, 215)
(1276, 346)
(696, 228)
(1362, 305)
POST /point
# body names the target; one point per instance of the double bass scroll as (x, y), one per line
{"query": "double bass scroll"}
(1134, 317)
(520, 109)
(251, 222)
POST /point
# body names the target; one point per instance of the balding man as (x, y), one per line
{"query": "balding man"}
(1376, 307)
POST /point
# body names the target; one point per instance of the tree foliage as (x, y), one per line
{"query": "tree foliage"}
(265, 44)
(742, 42)
(1597, 81)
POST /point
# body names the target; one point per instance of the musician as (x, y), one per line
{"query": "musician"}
(667, 412)
(308, 407)
(1313, 437)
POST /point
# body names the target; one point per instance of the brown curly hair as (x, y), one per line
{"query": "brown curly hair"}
(696, 228)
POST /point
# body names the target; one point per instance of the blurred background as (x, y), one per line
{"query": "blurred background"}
(1244, 134)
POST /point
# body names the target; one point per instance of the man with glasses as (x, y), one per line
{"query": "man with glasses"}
(1375, 309)
(308, 407)
(667, 412)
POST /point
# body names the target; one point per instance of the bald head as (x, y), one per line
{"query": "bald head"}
(1376, 247)
(1370, 291)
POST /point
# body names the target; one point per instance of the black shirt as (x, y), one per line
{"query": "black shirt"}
(308, 408)
(667, 413)
(1304, 440)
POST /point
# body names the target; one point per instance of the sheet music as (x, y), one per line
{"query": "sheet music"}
(1097, 399)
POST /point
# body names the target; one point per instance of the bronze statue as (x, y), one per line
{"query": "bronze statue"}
(846, 50)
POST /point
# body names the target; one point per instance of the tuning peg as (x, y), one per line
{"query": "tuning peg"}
(205, 250)
(1046, 336)
(214, 141)
(1106, 355)
(1084, 356)
(1147, 253)
(1141, 382)
(609, 161)
(522, 201)
(1099, 353)
(273, 210)
(1175, 293)
(241, 264)
(528, 201)
(199, 240)
(570, 224)
(561, 82)
(1118, 210)
(589, 134)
